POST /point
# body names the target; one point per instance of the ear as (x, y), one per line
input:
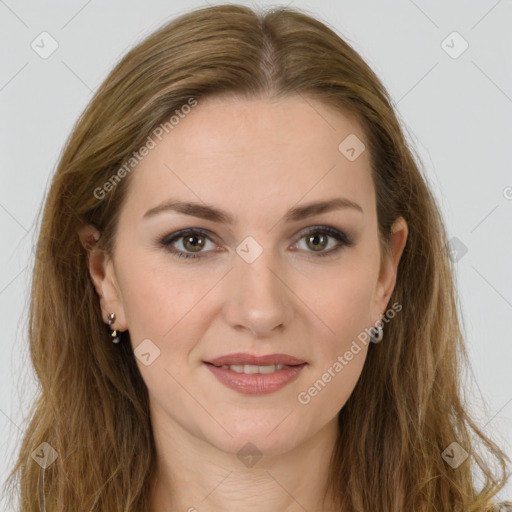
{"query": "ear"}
(102, 272)
(389, 268)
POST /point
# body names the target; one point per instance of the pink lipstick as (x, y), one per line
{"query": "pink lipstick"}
(256, 375)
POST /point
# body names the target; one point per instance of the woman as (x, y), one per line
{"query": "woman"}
(239, 209)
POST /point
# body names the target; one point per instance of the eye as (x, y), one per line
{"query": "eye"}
(316, 238)
(193, 240)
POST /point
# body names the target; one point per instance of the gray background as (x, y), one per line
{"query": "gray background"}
(457, 112)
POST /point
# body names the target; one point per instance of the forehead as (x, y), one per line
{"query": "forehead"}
(239, 152)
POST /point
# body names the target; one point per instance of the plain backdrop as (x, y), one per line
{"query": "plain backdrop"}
(453, 94)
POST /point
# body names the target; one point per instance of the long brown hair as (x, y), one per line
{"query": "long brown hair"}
(93, 408)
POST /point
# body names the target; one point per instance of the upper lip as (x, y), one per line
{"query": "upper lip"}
(252, 359)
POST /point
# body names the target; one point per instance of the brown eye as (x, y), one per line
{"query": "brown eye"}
(317, 242)
(193, 243)
(317, 239)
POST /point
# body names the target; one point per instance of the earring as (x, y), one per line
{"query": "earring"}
(115, 336)
(378, 337)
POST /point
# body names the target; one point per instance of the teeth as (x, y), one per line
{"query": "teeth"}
(250, 369)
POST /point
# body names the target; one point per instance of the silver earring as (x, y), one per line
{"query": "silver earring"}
(376, 338)
(115, 336)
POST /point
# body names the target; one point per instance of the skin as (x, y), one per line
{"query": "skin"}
(255, 159)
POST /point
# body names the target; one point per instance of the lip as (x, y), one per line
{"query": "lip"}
(256, 383)
(244, 358)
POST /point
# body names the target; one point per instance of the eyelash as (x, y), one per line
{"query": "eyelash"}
(343, 241)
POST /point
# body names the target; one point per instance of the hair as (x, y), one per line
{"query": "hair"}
(92, 404)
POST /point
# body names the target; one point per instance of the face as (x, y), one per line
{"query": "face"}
(261, 282)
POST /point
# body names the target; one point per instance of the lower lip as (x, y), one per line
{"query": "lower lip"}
(256, 383)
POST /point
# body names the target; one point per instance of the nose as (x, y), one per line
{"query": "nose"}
(257, 297)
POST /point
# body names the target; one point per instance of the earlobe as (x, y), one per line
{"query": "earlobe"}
(102, 273)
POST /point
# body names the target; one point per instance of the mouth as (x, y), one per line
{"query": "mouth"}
(244, 359)
(238, 372)
(250, 369)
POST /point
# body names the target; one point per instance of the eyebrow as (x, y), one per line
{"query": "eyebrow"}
(214, 214)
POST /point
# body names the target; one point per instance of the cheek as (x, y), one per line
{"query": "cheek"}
(164, 307)
(342, 304)
(328, 390)
(338, 358)
(158, 300)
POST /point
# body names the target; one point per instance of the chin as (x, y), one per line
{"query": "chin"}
(251, 440)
